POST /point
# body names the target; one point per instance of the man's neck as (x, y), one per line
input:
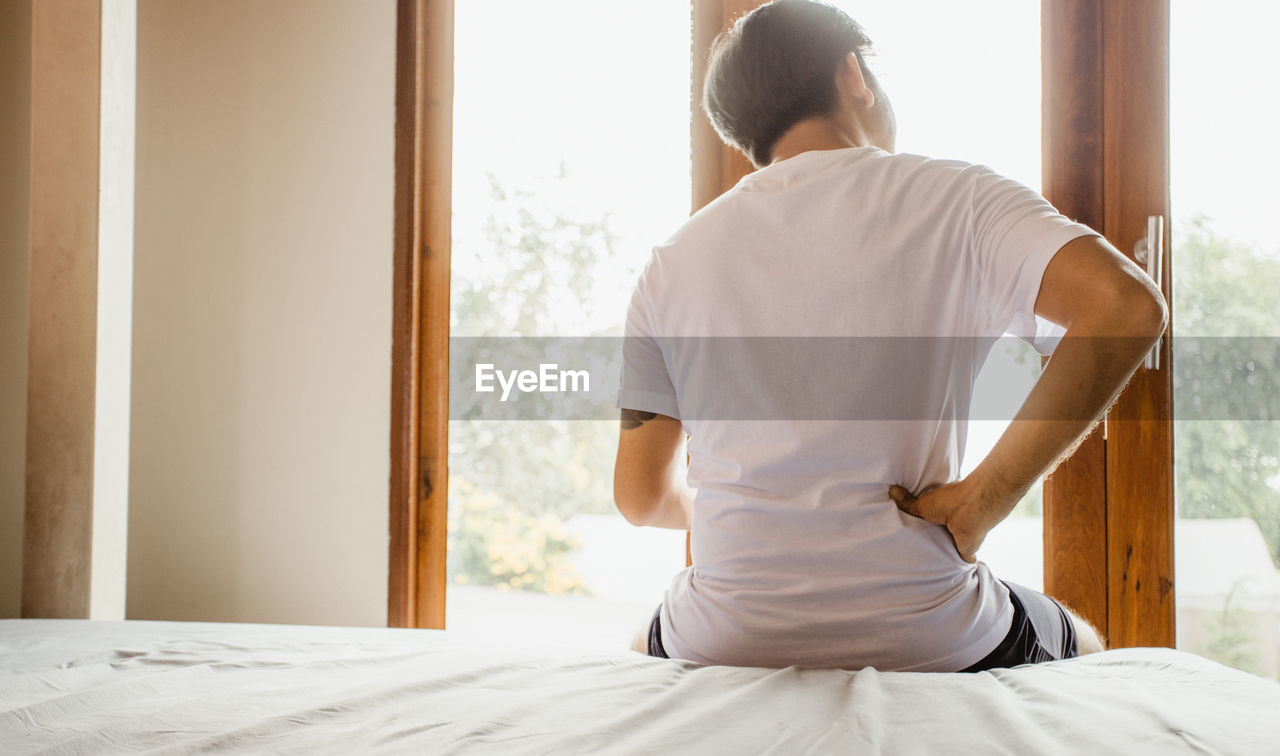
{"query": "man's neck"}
(819, 134)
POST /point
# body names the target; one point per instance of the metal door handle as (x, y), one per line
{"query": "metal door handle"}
(1150, 251)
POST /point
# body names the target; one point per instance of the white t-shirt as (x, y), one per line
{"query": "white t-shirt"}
(799, 556)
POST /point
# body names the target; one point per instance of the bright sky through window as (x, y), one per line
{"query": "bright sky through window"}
(603, 100)
(1225, 165)
(964, 78)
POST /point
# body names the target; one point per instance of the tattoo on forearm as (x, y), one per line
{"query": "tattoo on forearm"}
(632, 419)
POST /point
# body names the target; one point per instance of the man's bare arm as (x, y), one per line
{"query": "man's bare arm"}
(649, 484)
(1113, 314)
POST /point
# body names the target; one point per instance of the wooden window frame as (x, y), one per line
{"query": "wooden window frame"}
(420, 316)
(1108, 511)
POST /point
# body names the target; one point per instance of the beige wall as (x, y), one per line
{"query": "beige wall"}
(262, 314)
(15, 154)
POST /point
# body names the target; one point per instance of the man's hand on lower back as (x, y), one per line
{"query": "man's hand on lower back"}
(953, 506)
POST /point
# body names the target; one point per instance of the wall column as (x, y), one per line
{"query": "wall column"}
(83, 71)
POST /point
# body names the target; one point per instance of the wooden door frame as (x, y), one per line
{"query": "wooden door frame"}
(1072, 178)
(716, 166)
(1140, 509)
(1108, 511)
(420, 315)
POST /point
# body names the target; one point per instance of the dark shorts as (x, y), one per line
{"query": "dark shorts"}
(655, 635)
(1041, 631)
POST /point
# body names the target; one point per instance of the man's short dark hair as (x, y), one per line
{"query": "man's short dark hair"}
(775, 67)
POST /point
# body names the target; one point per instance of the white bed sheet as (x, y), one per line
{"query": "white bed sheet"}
(69, 686)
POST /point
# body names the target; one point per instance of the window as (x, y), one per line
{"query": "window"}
(570, 161)
(1107, 512)
(1225, 278)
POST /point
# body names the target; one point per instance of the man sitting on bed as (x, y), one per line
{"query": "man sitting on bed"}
(829, 525)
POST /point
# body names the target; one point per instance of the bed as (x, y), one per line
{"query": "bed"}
(75, 686)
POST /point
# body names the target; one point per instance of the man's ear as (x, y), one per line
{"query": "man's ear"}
(854, 83)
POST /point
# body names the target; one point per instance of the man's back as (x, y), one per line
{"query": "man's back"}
(817, 330)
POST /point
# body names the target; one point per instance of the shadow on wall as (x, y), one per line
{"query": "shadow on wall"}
(15, 140)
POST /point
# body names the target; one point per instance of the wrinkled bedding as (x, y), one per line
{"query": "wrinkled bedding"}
(72, 686)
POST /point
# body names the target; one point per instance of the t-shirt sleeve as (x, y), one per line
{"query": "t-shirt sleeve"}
(1015, 234)
(645, 384)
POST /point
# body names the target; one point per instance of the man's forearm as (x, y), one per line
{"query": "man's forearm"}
(1083, 378)
(1113, 314)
